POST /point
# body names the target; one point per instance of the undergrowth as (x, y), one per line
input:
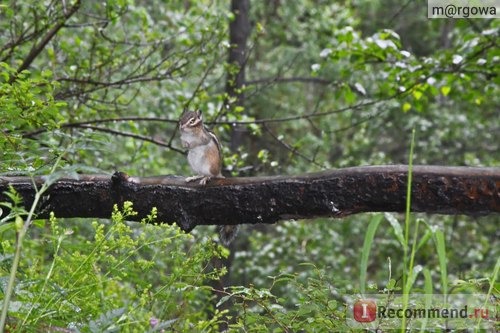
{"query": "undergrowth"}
(79, 275)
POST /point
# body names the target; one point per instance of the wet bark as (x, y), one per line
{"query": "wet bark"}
(333, 193)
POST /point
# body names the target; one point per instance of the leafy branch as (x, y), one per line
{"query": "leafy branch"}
(37, 48)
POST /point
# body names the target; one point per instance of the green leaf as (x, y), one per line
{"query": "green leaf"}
(19, 223)
(349, 96)
(391, 284)
(424, 239)
(365, 252)
(396, 226)
(406, 107)
(441, 251)
(428, 290)
(6, 226)
(223, 300)
(445, 90)
(46, 73)
(413, 277)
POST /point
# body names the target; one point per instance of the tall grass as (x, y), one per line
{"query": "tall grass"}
(22, 227)
(411, 240)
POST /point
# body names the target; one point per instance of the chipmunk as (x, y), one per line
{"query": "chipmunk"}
(204, 157)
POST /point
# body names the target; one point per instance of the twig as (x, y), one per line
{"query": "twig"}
(37, 48)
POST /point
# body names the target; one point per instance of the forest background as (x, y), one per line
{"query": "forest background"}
(289, 87)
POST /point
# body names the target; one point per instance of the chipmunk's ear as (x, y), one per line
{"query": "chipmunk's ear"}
(198, 113)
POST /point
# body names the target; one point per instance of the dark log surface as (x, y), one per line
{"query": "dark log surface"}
(334, 193)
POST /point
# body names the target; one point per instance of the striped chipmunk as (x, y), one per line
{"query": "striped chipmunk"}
(204, 157)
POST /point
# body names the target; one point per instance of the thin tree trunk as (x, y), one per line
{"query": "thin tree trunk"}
(239, 31)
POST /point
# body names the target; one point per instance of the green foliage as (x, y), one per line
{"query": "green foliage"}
(263, 311)
(328, 84)
(26, 103)
(111, 282)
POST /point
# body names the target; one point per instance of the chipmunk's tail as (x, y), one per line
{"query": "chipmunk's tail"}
(227, 233)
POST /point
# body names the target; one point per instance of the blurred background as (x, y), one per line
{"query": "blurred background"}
(289, 87)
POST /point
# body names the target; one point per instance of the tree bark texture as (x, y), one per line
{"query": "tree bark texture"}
(239, 31)
(333, 193)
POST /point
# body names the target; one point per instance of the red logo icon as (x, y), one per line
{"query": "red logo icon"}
(365, 310)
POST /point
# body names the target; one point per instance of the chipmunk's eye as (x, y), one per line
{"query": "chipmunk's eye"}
(191, 121)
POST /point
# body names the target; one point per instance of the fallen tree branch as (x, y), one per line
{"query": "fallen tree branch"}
(334, 193)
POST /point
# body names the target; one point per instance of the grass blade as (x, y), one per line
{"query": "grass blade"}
(369, 236)
(441, 252)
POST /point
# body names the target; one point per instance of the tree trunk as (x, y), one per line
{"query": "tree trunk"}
(334, 193)
(239, 30)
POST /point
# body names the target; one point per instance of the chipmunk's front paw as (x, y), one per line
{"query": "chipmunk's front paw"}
(204, 180)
